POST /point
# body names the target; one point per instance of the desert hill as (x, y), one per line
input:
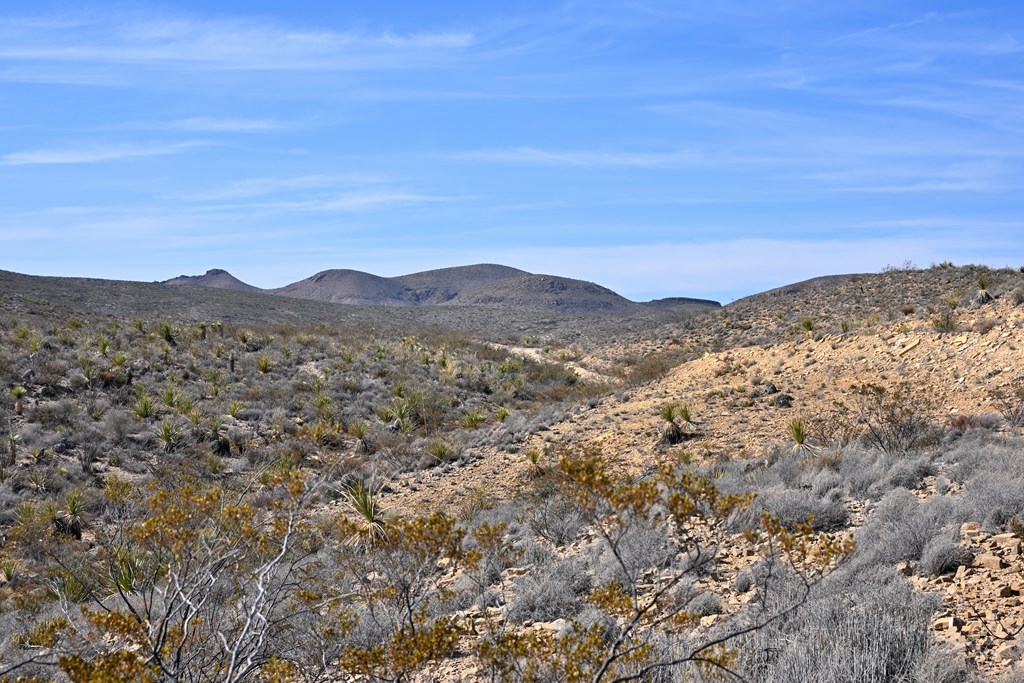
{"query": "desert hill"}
(216, 278)
(445, 284)
(546, 293)
(480, 285)
(346, 287)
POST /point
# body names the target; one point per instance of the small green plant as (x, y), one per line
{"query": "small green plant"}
(807, 322)
(473, 419)
(533, 458)
(119, 360)
(17, 393)
(170, 397)
(264, 365)
(9, 569)
(501, 414)
(103, 346)
(235, 408)
(364, 502)
(144, 407)
(440, 451)
(167, 435)
(798, 432)
(166, 332)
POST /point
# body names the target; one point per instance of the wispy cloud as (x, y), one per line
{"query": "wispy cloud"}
(235, 44)
(361, 201)
(215, 125)
(534, 155)
(93, 154)
(246, 188)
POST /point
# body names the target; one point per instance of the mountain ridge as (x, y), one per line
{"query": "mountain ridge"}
(482, 284)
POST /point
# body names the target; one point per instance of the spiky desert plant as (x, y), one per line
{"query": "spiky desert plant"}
(167, 435)
(235, 408)
(807, 322)
(69, 521)
(671, 413)
(439, 450)
(9, 569)
(264, 364)
(358, 431)
(16, 393)
(170, 397)
(144, 407)
(364, 502)
(533, 457)
(473, 419)
(167, 333)
(799, 433)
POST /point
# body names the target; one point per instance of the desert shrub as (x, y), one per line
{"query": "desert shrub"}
(555, 519)
(640, 545)
(900, 526)
(993, 498)
(871, 628)
(943, 554)
(894, 419)
(1010, 402)
(550, 593)
(653, 366)
(792, 506)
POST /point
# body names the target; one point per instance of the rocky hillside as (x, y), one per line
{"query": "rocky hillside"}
(216, 278)
(546, 293)
(531, 494)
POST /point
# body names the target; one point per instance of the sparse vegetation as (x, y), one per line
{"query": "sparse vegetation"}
(370, 500)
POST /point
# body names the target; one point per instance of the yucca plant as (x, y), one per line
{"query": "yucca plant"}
(501, 414)
(533, 458)
(364, 501)
(264, 365)
(144, 407)
(358, 431)
(168, 435)
(166, 332)
(9, 569)
(473, 419)
(439, 450)
(68, 522)
(235, 408)
(103, 345)
(799, 433)
(170, 397)
(673, 414)
(17, 393)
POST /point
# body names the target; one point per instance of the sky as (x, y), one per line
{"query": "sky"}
(710, 149)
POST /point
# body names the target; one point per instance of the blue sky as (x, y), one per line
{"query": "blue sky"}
(658, 148)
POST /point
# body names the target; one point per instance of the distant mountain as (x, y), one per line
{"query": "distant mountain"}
(546, 293)
(445, 284)
(216, 278)
(483, 284)
(680, 302)
(346, 287)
